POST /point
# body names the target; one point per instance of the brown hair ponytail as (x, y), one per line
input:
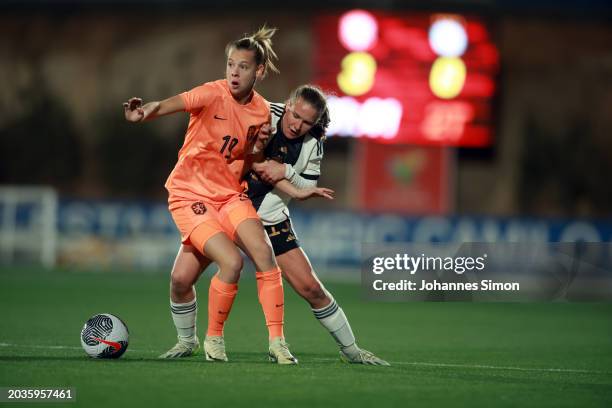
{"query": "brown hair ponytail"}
(260, 42)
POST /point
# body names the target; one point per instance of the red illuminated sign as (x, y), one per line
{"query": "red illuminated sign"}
(410, 78)
(402, 179)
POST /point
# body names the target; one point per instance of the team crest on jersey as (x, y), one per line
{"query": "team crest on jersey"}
(198, 208)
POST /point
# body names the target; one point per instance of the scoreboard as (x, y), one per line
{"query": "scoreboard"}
(407, 78)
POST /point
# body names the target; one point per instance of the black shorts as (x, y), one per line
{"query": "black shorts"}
(282, 236)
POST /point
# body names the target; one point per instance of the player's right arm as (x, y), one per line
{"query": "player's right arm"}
(135, 111)
(304, 193)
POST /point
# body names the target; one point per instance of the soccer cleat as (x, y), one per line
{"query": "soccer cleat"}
(214, 348)
(182, 349)
(363, 357)
(279, 352)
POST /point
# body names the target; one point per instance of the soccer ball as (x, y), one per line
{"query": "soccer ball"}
(104, 336)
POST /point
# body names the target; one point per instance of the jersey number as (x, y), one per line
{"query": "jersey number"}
(232, 142)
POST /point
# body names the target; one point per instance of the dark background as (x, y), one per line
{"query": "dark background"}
(67, 66)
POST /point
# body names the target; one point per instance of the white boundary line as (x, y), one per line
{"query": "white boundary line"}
(488, 367)
(39, 346)
(35, 346)
(413, 363)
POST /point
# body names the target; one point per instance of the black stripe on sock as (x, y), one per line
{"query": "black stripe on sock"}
(326, 308)
(328, 311)
(183, 307)
(184, 311)
(331, 312)
(184, 304)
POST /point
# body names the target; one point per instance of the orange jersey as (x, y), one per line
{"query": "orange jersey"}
(220, 133)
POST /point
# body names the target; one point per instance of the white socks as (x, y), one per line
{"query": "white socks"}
(184, 317)
(332, 317)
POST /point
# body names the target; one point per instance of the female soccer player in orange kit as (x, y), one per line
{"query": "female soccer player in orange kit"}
(293, 167)
(206, 195)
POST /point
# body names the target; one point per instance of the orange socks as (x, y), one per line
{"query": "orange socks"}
(220, 299)
(271, 297)
(270, 291)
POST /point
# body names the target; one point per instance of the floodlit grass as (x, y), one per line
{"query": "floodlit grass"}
(442, 354)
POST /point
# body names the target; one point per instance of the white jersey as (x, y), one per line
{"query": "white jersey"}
(302, 158)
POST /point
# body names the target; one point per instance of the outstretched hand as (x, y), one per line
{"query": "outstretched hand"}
(133, 110)
(315, 192)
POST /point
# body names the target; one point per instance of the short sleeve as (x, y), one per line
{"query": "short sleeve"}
(199, 97)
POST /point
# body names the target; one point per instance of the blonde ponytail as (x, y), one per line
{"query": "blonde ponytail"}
(260, 42)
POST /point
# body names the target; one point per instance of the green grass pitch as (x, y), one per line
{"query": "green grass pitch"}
(442, 354)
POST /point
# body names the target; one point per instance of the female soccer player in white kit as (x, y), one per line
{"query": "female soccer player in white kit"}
(294, 155)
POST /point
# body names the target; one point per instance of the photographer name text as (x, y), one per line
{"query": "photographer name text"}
(409, 285)
(410, 265)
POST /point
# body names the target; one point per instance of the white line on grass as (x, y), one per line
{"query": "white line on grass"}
(488, 367)
(40, 346)
(36, 346)
(414, 363)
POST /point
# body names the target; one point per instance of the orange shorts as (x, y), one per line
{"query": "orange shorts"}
(199, 221)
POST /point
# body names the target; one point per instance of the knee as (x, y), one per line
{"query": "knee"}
(262, 251)
(180, 284)
(261, 248)
(231, 265)
(312, 292)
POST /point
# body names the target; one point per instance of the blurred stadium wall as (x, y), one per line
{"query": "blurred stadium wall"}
(67, 69)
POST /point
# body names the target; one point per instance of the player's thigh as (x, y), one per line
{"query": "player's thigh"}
(298, 271)
(188, 266)
(221, 249)
(251, 237)
(234, 213)
(241, 222)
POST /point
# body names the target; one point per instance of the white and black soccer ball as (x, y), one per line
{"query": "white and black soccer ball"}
(104, 336)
